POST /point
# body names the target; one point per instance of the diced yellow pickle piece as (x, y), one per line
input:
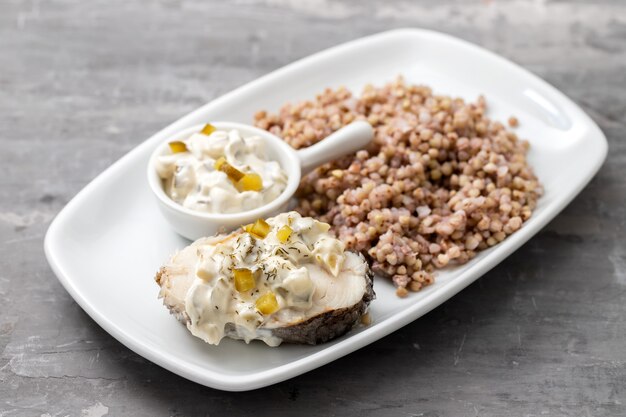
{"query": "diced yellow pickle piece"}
(218, 164)
(244, 279)
(283, 233)
(178, 146)
(247, 227)
(250, 182)
(267, 303)
(208, 129)
(233, 173)
(243, 182)
(332, 263)
(260, 229)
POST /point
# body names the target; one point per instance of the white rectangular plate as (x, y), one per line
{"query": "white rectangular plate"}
(109, 241)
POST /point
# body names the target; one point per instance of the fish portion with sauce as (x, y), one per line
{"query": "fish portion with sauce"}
(281, 280)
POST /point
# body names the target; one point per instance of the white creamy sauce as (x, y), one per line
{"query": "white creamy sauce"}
(191, 180)
(289, 270)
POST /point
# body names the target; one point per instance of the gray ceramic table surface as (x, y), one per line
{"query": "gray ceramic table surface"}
(82, 83)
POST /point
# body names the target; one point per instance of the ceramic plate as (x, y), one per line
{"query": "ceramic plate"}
(107, 243)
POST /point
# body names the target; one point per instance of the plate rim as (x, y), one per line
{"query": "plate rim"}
(412, 312)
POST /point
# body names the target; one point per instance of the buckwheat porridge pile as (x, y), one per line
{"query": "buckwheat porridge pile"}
(440, 182)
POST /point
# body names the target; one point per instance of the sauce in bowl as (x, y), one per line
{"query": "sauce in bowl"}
(219, 171)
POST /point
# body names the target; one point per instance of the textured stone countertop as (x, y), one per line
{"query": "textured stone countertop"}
(82, 83)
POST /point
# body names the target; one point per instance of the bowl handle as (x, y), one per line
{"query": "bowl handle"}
(345, 141)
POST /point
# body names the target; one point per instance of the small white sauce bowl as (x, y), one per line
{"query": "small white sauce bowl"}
(194, 224)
